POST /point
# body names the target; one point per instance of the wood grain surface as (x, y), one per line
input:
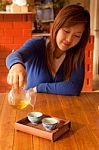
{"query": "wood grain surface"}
(83, 111)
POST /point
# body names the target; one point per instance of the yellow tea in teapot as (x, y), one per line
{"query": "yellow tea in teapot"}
(20, 104)
(19, 98)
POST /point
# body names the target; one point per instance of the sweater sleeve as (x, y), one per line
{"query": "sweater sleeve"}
(68, 87)
(24, 53)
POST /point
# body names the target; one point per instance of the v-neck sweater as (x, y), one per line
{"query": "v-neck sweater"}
(58, 61)
(31, 55)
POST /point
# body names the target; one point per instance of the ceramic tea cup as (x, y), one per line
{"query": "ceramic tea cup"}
(49, 123)
(34, 117)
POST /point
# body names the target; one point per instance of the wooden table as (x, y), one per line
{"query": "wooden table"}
(83, 111)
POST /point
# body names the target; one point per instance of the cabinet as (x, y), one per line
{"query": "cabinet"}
(44, 15)
(44, 11)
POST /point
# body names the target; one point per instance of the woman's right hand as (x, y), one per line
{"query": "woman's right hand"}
(17, 76)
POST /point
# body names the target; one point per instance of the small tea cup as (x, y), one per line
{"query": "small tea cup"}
(34, 117)
(49, 123)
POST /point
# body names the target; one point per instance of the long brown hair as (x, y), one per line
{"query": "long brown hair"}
(69, 16)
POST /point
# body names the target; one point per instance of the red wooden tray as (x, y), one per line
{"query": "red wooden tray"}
(25, 125)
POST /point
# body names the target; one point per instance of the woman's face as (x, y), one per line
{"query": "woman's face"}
(67, 38)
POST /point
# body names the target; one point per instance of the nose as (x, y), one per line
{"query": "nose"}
(69, 38)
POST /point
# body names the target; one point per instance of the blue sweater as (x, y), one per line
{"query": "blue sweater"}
(31, 55)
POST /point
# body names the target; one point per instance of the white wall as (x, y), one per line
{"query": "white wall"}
(94, 7)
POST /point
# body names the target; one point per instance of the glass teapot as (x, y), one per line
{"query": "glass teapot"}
(19, 98)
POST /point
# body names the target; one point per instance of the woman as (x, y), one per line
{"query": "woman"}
(54, 65)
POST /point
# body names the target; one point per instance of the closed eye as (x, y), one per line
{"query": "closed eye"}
(77, 36)
(66, 31)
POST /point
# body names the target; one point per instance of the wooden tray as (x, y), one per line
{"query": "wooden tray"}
(25, 125)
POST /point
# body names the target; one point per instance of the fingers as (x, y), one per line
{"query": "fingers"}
(10, 79)
(13, 80)
(17, 76)
(16, 80)
(22, 80)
